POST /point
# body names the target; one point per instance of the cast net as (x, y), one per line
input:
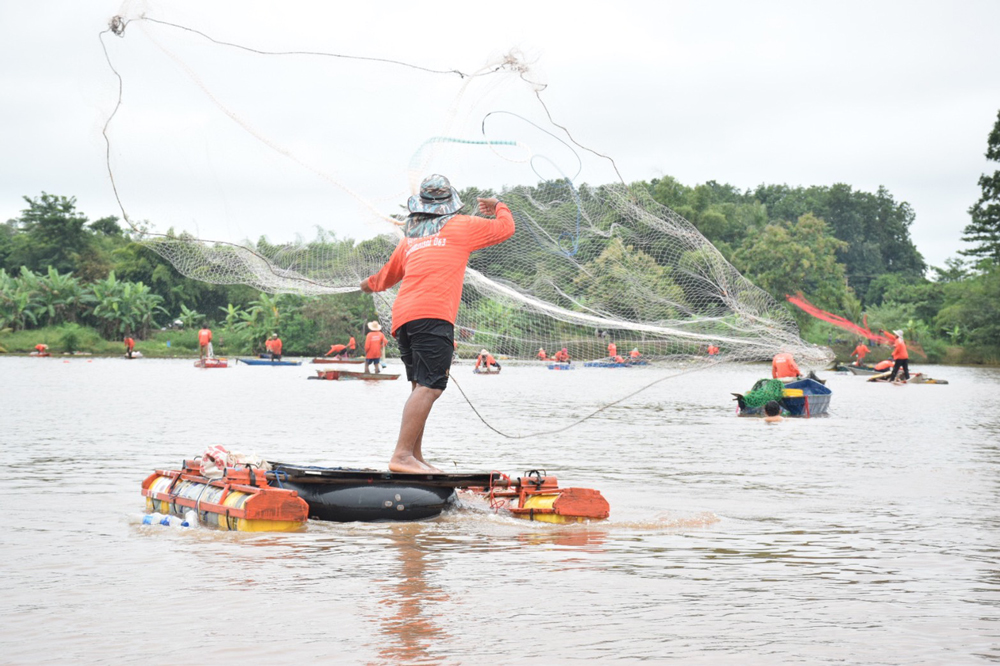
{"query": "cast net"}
(315, 154)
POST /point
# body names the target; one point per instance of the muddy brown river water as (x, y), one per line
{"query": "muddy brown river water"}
(871, 536)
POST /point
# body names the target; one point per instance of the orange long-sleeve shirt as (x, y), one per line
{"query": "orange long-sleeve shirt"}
(432, 268)
(899, 351)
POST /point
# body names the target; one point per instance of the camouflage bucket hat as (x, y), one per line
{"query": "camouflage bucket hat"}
(437, 197)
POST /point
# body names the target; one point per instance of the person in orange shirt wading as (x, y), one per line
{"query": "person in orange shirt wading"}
(204, 339)
(430, 262)
(375, 342)
(129, 346)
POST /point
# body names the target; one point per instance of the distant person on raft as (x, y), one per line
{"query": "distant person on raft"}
(561, 356)
(204, 340)
(375, 343)
(612, 350)
(488, 363)
(783, 366)
(430, 261)
(541, 354)
(274, 346)
(900, 356)
(343, 351)
(860, 351)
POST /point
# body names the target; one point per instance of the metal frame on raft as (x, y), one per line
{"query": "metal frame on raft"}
(251, 500)
(539, 498)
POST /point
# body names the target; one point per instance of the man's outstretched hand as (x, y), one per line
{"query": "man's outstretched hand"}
(488, 206)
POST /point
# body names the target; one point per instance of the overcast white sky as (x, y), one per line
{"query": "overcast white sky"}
(901, 94)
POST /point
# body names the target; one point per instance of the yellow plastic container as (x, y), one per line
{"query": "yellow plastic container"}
(791, 393)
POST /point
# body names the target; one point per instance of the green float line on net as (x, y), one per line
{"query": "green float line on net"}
(448, 139)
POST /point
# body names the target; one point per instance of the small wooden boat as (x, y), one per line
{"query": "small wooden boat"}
(483, 371)
(211, 363)
(804, 397)
(260, 361)
(561, 366)
(334, 375)
(39, 354)
(335, 359)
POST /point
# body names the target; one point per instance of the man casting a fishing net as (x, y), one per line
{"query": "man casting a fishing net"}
(430, 261)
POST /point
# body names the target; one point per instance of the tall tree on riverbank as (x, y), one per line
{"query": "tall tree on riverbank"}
(984, 229)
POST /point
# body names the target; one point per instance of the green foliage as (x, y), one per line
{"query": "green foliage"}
(189, 318)
(801, 257)
(984, 229)
(53, 235)
(971, 311)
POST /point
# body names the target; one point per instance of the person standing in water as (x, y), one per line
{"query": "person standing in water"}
(129, 346)
(430, 262)
(772, 412)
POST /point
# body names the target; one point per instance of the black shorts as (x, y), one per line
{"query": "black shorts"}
(425, 348)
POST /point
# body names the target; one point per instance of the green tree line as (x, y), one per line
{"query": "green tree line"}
(848, 251)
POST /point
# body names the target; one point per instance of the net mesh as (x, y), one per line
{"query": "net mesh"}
(593, 259)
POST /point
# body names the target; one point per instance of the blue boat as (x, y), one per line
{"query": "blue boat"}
(259, 361)
(561, 366)
(813, 401)
(604, 363)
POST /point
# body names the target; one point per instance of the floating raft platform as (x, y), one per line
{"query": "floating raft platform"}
(260, 361)
(333, 375)
(251, 500)
(915, 378)
(561, 366)
(211, 363)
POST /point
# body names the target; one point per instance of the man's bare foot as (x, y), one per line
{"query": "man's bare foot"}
(407, 465)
